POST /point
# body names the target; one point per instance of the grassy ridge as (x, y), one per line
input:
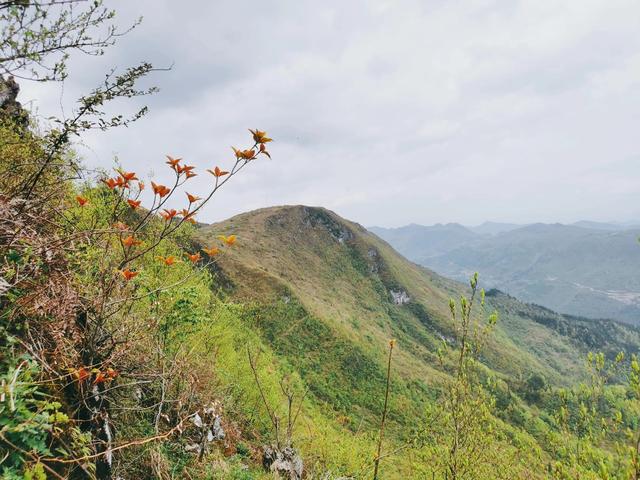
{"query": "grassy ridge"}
(317, 290)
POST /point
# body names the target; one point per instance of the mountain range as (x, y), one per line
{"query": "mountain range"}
(586, 268)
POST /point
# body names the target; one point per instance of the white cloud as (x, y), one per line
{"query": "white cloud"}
(391, 111)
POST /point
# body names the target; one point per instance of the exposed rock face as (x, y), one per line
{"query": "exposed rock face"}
(374, 260)
(400, 298)
(208, 429)
(285, 462)
(9, 105)
(317, 217)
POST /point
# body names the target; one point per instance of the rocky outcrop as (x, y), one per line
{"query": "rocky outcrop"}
(400, 297)
(10, 107)
(286, 462)
(208, 429)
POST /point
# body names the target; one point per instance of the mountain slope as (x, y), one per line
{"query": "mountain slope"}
(326, 294)
(586, 269)
(572, 269)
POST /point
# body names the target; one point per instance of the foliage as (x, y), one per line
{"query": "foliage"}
(38, 36)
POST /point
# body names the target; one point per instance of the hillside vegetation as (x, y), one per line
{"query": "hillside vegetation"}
(283, 343)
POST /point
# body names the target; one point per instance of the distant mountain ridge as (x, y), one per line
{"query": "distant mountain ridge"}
(586, 268)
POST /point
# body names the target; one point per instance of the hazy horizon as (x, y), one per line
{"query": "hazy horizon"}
(388, 113)
(622, 224)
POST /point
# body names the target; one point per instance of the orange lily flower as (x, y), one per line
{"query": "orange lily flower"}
(168, 214)
(264, 150)
(111, 183)
(216, 172)
(184, 168)
(100, 378)
(81, 374)
(131, 242)
(212, 252)
(168, 261)
(134, 203)
(128, 274)
(246, 154)
(82, 200)
(190, 174)
(127, 176)
(194, 257)
(187, 216)
(160, 190)
(260, 137)
(229, 241)
(111, 373)
(192, 198)
(140, 185)
(173, 162)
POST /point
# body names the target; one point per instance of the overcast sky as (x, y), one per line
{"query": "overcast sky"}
(388, 112)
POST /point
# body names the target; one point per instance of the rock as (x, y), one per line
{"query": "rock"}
(9, 105)
(208, 429)
(400, 297)
(285, 462)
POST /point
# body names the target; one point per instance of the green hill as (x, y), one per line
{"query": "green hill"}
(327, 295)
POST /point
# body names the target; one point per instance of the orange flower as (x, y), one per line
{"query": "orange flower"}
(188, 217)
(192, 198)
(245, 154)
(216, 172)
(160, 190)
(194, 257)
(134, 203)
(128, 274)
(82, 200)
(264, 150)
(100, 378)
(111, 373)
(140, 185)
(127, 176)
(81, 374)
(173, 162)
(168, 261)
(168, 214)
(260, 137)
(212, 252)
(190, 174)
(184, 168)
(229, 241)
(131, 242)
(111, 183)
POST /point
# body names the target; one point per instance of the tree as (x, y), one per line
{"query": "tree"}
(73, 257)
(460, 438)
(38, 36)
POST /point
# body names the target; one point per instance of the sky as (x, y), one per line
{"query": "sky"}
(388, 112)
